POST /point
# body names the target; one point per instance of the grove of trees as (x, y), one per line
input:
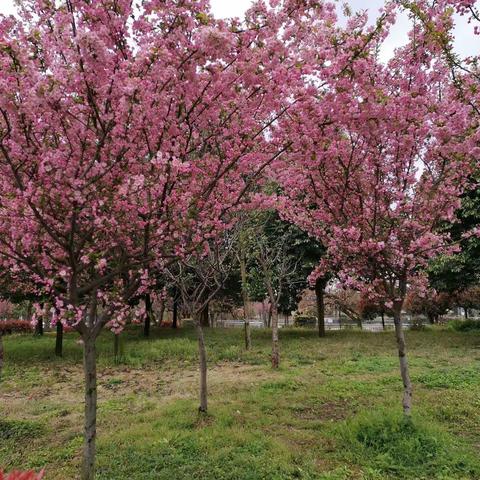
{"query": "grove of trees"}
(150, 149)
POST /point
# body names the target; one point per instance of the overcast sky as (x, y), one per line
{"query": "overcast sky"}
(466, 43)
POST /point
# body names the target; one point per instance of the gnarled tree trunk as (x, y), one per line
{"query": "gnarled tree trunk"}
(402, 355)
(202, 354)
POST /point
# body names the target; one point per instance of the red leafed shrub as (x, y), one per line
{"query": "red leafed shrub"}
(21, 476)
(14, 326)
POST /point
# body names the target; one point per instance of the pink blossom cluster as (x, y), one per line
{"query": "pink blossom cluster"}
(132, 137)
(128, 143)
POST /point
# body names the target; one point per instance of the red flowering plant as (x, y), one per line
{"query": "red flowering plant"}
(17, 475)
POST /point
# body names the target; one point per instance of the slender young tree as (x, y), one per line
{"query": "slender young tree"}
(272, 248)
(199, 277)
(242, 261)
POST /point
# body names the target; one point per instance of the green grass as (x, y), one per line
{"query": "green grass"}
(331, 412)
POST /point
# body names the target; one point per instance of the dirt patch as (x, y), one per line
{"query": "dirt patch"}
(62, 389)
(327, 411)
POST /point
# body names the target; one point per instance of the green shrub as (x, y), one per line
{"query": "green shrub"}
(400, 448)
(464, 325)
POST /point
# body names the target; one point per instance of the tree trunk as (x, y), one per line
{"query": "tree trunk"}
(202, 354)
(161, 312)
(1, 355)
(116, 347)
(243, 274)
(29, 311)
(90, 370)
(248, 336)
(59, 339)
(383, 320)
(175, 312)
(466, 313)
(275, 342)
(402, 355)
(274, 313)
(39, 325)
(320, 297)
(204, 316)
(148, 315)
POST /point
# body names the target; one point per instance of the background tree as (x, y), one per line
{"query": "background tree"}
(199, 277)
(272, 244)
(468, 299)
(461, 270)
(431, 304)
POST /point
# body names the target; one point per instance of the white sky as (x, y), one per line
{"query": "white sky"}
(466, 42)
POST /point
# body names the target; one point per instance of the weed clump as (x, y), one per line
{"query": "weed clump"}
(18, 430)
(402, 448)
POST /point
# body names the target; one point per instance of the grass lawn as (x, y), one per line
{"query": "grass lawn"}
(332, 411)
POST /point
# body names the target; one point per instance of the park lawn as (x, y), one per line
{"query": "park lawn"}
(332, 411)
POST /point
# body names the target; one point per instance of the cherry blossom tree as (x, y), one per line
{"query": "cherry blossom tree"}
(126, 137)
(380, 170)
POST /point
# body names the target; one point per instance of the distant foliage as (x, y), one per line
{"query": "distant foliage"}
(8, 327)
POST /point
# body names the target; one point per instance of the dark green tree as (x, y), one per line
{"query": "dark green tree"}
(457, 272)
